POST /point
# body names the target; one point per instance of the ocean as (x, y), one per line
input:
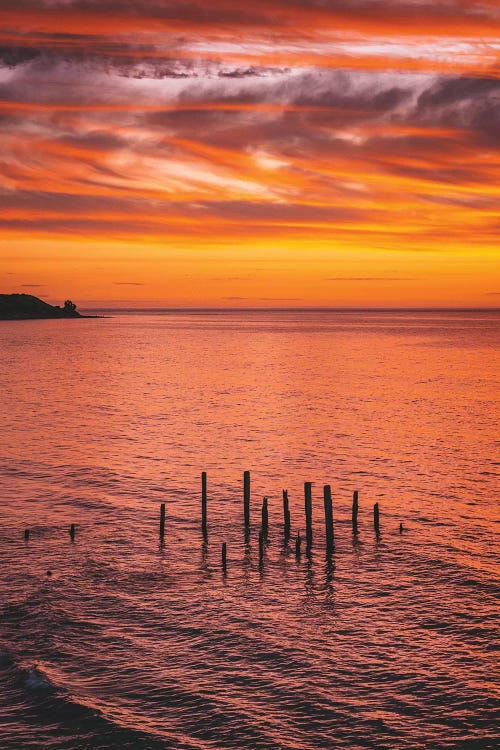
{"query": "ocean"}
(115, 641)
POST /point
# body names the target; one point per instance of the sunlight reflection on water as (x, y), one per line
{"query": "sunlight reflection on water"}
(389, 646)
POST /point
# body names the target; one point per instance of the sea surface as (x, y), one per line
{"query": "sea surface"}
(114, 641)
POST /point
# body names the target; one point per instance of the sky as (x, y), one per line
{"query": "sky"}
(271, 153)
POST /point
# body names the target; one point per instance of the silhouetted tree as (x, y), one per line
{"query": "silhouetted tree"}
(69, 306)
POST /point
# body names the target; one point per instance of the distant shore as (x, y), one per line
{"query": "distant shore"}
(28, 307)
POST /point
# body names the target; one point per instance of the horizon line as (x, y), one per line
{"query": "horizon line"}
(193, 308)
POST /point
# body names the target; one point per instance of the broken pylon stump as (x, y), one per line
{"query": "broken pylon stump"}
(204, 502)
(162, 522)
(308, 510)
(265, 517)
(286, 515)
(355, 508)
(246, 498)
(327, 496)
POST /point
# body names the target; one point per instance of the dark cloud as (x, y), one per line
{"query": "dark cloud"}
(282, 213)
(457, 90)
(252, 72)
(70, 204)
(97, 140)
(476, 202)
(345, 89)
(317, 106)
(47, 211)
(12, 56)
(145, 11)
(467, 176)
(420, 14)
(468, 103)
(161, 39)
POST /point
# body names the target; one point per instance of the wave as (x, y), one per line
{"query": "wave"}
(31, 697)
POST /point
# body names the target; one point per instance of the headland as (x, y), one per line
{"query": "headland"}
(28, 307)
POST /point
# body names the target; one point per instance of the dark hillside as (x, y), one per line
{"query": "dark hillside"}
(27, 307)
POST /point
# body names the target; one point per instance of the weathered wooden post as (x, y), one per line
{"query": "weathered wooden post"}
(376, 518)
(246, 498)
(72, 532)
(261, 545)
(327, 496)
(162, 522)
(224, 557)
(355, 508)
(265, 517)
(298, 543)
(286, 515)
(204, 503)
(26, 535)
(308, 509)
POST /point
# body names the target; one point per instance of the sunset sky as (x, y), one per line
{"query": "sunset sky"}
(269, 153)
